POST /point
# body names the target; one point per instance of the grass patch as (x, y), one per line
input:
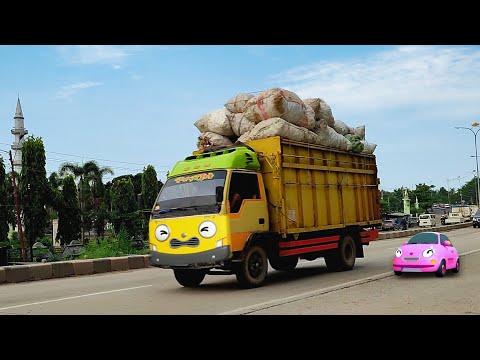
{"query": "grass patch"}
(113, 246)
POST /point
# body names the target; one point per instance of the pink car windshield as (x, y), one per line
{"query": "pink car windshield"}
(424, 238)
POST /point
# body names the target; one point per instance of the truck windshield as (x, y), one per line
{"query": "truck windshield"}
(189, 194)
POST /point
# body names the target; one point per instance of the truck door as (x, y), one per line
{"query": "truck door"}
(247, 207)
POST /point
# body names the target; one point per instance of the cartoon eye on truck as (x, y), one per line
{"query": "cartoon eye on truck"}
(294, 201)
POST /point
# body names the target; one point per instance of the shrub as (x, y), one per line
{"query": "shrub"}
(115, 245)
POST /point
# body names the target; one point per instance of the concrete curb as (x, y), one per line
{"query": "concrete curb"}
(3, 276)
(15, 274)
(42, 271)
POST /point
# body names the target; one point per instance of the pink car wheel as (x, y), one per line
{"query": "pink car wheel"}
(442, 269)
(457, 267)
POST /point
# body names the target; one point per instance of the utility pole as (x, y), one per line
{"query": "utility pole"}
(17, 208)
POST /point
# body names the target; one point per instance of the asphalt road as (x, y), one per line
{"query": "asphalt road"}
(370, 288)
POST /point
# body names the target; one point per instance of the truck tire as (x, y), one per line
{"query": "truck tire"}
(189, 278)
(252, 270)
(343, 258)
(285, 263)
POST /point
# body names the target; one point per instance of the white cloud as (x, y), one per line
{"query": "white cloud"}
(403, 77)
(136, 77)
(111, 55)
(67, 91)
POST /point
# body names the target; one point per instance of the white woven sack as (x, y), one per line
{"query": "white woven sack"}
(309, 122)
(240, 124)
(329, 137)
(340, 127)
(325, 113)
(217, 121)
(280, 127)
(237, 103)
(359, 131)
(208, 139)
(276, 103)
(368, 148)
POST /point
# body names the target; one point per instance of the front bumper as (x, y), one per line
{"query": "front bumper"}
(415, 267)
(204, 259)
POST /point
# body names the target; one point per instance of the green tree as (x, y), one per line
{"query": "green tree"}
(469, 191)
(442, 196)
(89, 175)
(68, 212)
(425, 195)
(10, 200)
(33, 189)
(124, 207)
(149, 187)
(4, 205)
(100, 219)
(135, 179)
(55, 183)
(149, 195)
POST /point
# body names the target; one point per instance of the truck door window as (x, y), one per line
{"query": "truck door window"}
(242, 186)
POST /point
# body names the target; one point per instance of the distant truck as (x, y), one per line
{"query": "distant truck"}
(454, 218)
(298, 201)
(465, 211)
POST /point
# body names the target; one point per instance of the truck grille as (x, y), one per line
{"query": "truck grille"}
(192, 242)
(410, 258)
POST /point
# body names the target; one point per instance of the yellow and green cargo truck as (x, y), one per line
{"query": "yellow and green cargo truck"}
(296, 201)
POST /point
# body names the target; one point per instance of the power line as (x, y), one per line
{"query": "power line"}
(92, 158)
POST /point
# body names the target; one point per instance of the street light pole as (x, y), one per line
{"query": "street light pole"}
(460, 190)
(475, 124)
(477, 189)
(448, 190)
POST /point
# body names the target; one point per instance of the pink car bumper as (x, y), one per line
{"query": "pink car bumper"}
(415, 265)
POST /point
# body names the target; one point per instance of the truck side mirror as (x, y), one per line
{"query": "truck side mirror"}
(219, 194)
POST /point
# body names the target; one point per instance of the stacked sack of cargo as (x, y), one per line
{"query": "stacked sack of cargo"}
(279, 112)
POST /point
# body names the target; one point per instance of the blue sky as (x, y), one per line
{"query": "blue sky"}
(129, 106)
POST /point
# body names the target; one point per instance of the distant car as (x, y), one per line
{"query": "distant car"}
(476, 219)
(413, 221)
(427, 252)
(389, 225)
(427, 220)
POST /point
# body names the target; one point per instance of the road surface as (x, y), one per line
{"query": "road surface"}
(370, 288)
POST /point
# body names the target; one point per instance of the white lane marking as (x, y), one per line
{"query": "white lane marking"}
(293, 298)
(304, 295)
(73, 297)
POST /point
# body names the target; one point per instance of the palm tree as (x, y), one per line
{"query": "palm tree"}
(92, 173)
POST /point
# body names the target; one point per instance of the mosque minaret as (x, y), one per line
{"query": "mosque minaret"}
(19, 131)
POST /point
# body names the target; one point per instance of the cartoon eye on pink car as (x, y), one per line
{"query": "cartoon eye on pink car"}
(427, 252)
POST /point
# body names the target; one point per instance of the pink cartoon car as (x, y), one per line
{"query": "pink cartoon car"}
(427, 252)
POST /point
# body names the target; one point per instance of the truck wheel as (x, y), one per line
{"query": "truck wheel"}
(253, 268)
(344, 257)
(286, 263)
(189, 278)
